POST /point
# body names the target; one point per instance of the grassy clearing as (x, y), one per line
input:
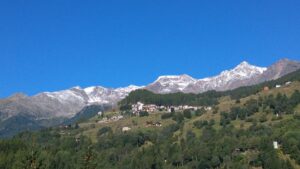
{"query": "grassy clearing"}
(91, 127)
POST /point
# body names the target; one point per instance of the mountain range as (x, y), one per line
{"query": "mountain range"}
(49, 108)
(243, 74)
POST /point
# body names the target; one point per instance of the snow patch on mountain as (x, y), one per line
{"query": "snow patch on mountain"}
(242, 71)
(187, 84)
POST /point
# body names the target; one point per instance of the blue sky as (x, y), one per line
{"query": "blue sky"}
(54, 45)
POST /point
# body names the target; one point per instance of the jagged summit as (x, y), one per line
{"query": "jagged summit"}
(183, 77)
(245, 66)
(186, 83)
(171, 83)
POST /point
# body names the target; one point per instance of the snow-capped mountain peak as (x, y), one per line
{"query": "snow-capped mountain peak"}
(181, 80)
(183, 77)
(245, 66)
(92, 89)
(171, 83)
(185, 83)
(242, 71)
(128, 89)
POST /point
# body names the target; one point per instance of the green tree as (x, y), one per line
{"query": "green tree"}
(187, 114)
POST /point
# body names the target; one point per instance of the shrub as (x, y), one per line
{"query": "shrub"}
(103, 130)
(144, 113)
(166, 115)
(187, 114)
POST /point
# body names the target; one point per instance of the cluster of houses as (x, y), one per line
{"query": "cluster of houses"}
(139, 106)
(266, 88)
(286, 84)
(111, 119)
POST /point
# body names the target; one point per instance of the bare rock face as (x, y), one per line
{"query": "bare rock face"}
(279, 69)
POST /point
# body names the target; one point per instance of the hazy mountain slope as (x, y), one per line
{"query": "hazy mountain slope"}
(86, 113)
(18, 124)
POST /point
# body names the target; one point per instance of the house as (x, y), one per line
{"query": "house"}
(275, 144)
(207, 108)
(288, 83)
(278, 86)
(125, 129)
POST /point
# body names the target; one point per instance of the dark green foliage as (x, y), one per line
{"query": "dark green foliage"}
(104, 130)
(291, 144)
(187, 114)
(263, 118)
(143, 113)
(166, 115)
(199, 124)
(125, 107)
(199, 112)
(178, 117)
(203, 123)
(225, 119)
(147, 97)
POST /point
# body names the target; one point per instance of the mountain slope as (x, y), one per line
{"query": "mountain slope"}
(18, 124)
(86, 113)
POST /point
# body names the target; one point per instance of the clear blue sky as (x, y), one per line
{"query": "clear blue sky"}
(57, 44)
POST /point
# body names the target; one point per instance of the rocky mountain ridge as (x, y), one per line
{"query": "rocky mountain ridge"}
(67, 103)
